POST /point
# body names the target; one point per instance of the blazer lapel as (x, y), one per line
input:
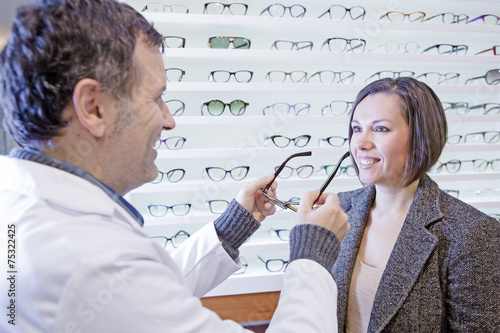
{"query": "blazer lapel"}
(357, 207)
(411, 251)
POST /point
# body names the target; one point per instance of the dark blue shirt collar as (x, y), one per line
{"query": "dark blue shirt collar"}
(39, 157)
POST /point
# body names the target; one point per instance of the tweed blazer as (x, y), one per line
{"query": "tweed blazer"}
(443, 274)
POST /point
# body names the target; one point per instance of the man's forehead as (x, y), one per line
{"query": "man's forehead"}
(150, 64)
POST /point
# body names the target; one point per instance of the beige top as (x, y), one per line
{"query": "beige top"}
(364, 283)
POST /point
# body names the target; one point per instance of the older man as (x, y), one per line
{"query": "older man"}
(81, 85)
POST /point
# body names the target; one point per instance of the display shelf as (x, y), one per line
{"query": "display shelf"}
(308, 119)
(325, 150)
(308, 87)
(227, 139)
(312, 24)
(323, 57)
(249, 283)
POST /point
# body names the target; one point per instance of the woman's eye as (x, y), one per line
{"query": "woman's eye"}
(356, 129)
(381, 129)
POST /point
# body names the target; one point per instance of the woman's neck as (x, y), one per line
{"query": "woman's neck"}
(395, 200)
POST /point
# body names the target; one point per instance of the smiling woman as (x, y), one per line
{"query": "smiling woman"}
(411, 247)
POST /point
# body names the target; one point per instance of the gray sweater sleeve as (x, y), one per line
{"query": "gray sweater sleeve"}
(311, 241)
(307, 241)
(234, 227)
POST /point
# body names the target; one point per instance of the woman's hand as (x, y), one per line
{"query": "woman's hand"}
(251, 198)
(327, 213)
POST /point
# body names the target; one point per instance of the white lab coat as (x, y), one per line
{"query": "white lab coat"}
(85, 265)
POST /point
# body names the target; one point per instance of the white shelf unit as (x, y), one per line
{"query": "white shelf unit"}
(227, 141)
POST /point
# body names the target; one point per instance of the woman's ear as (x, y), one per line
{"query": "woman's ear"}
(87, 98)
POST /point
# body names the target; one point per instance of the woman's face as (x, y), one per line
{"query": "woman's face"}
(379, 143)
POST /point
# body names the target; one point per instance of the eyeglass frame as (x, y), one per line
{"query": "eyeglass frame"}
(177, 112)
(245, 104)
(290, 205)
(171, 238)
(211, 77)
(395, 74)
(225, 6)
(347, 10)
(454, 49)
(169, 207)
(483, 134)
(304, 80)
(164, 141)
(168, 177)
(290, 107)
(210, 202)
(165, 6)
(404, 16)
(328, 139)
(183, 40)
(182, 72)
(268, 9)
(296, 44)
(493, 49)
(266, 262)
(348, 43)
(483, 16)
(244, 167)
(231, 41)
(455, 17)
(341, 80)
(272, 137)
(347, 111)
(485, 76)
(445, 80)
(278, 231)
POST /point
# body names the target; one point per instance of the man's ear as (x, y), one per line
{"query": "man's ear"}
(87, 99)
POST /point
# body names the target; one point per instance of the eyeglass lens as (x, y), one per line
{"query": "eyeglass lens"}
(173, 176)
(274, 265)
(395, 16)
(172, 143)
(224, 42)
(218, 174)
(176, 107)
(174, 74)
(161, 8)
(279, 10)
(174, 42)
(280, 76)
(283, 141)
(303, 171)
(161, 210)
(217, 107)
(337, 108)
(217, 206)
(283, 109)
(337, 44)
(176, 240)
(283, 234)
(447, 49)
(218, 8)
(289, 45)
(338, 12)
(331, 77)
(241, 76)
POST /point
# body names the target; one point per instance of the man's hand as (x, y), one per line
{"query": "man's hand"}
(327, 213)
(250, 197)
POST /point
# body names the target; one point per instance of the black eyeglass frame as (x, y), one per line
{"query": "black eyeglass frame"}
(290, 204)
(347, 10)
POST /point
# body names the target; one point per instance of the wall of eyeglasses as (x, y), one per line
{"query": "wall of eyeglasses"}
(250, 84)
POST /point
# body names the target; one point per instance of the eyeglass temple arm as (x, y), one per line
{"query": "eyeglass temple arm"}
(327, 182)
(276, 173)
